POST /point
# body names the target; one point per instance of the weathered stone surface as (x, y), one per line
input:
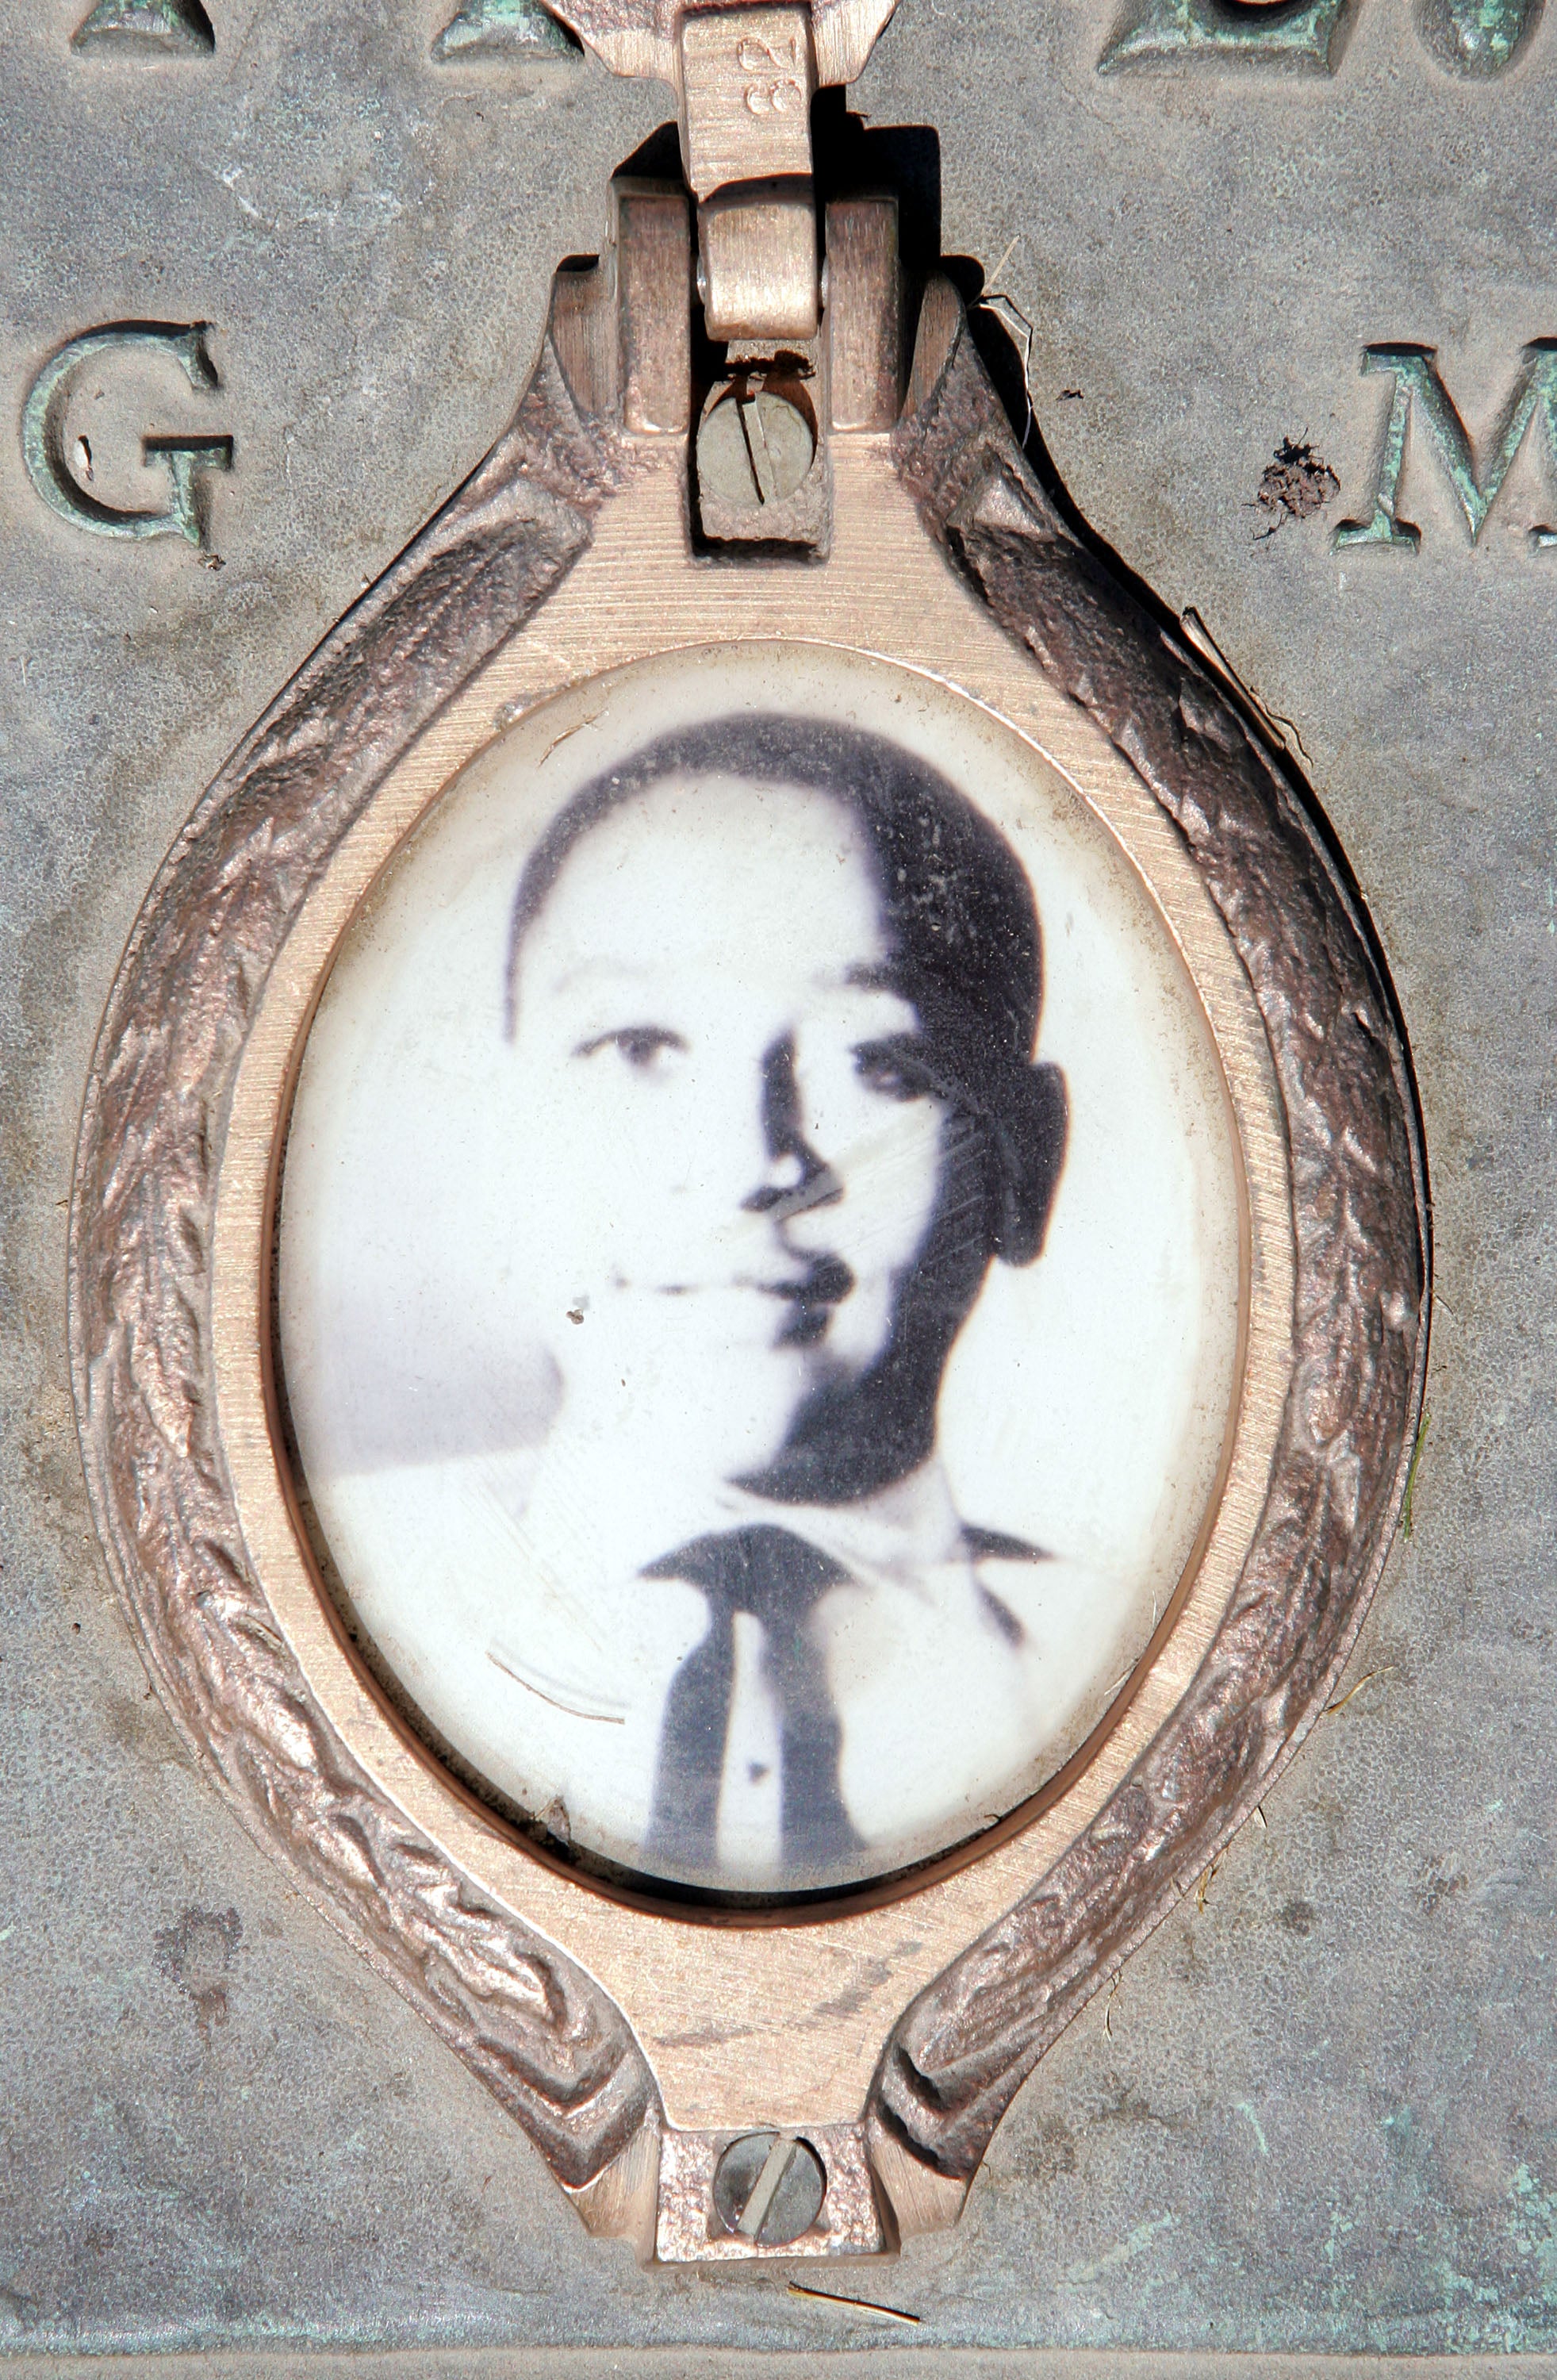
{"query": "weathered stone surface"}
(1319, 2113)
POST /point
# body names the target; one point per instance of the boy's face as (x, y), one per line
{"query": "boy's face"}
(727, 1171)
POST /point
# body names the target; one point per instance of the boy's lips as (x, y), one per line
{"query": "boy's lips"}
(826, 1281)
(812, 1296)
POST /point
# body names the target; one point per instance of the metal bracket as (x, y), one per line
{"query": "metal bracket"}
(744, 77)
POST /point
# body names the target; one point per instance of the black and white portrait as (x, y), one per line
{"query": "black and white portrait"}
(682, 1140)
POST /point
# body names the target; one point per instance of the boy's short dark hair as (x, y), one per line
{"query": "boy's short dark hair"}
(958, 912)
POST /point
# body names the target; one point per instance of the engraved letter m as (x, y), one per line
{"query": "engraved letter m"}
(1418, 389)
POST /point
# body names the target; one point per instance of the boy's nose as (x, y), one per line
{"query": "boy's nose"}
(795, 1177)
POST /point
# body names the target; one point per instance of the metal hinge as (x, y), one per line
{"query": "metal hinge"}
(745, 78)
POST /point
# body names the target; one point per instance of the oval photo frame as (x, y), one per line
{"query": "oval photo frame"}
(632, 2040)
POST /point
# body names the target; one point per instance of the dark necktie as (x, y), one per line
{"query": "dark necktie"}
(778, 1577)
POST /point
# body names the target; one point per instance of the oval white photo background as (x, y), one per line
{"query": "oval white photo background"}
(1087, 1402)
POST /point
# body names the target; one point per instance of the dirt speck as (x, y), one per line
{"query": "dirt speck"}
(196, 1954)
(1440, 1883)
(1295, 484)
(1047, 2155)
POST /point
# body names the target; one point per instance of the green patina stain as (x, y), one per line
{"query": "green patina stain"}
(1245, 2108)
(147, 24)
(1400, 2126)
(1124, 2251)
(1469, 37)
(492, 29)
(1304, 34)
(1477, 37)
(1532, 2226)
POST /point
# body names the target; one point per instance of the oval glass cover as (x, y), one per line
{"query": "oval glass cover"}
(760, 1279)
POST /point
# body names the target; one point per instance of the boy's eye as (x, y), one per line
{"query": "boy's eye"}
(890, 1068)
(643, 1046)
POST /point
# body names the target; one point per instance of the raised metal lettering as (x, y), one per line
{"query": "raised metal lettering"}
(59, 477)
(1420, 398)
(501, 29)
(170, 25)
(1304, 35)
(1479, 38)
